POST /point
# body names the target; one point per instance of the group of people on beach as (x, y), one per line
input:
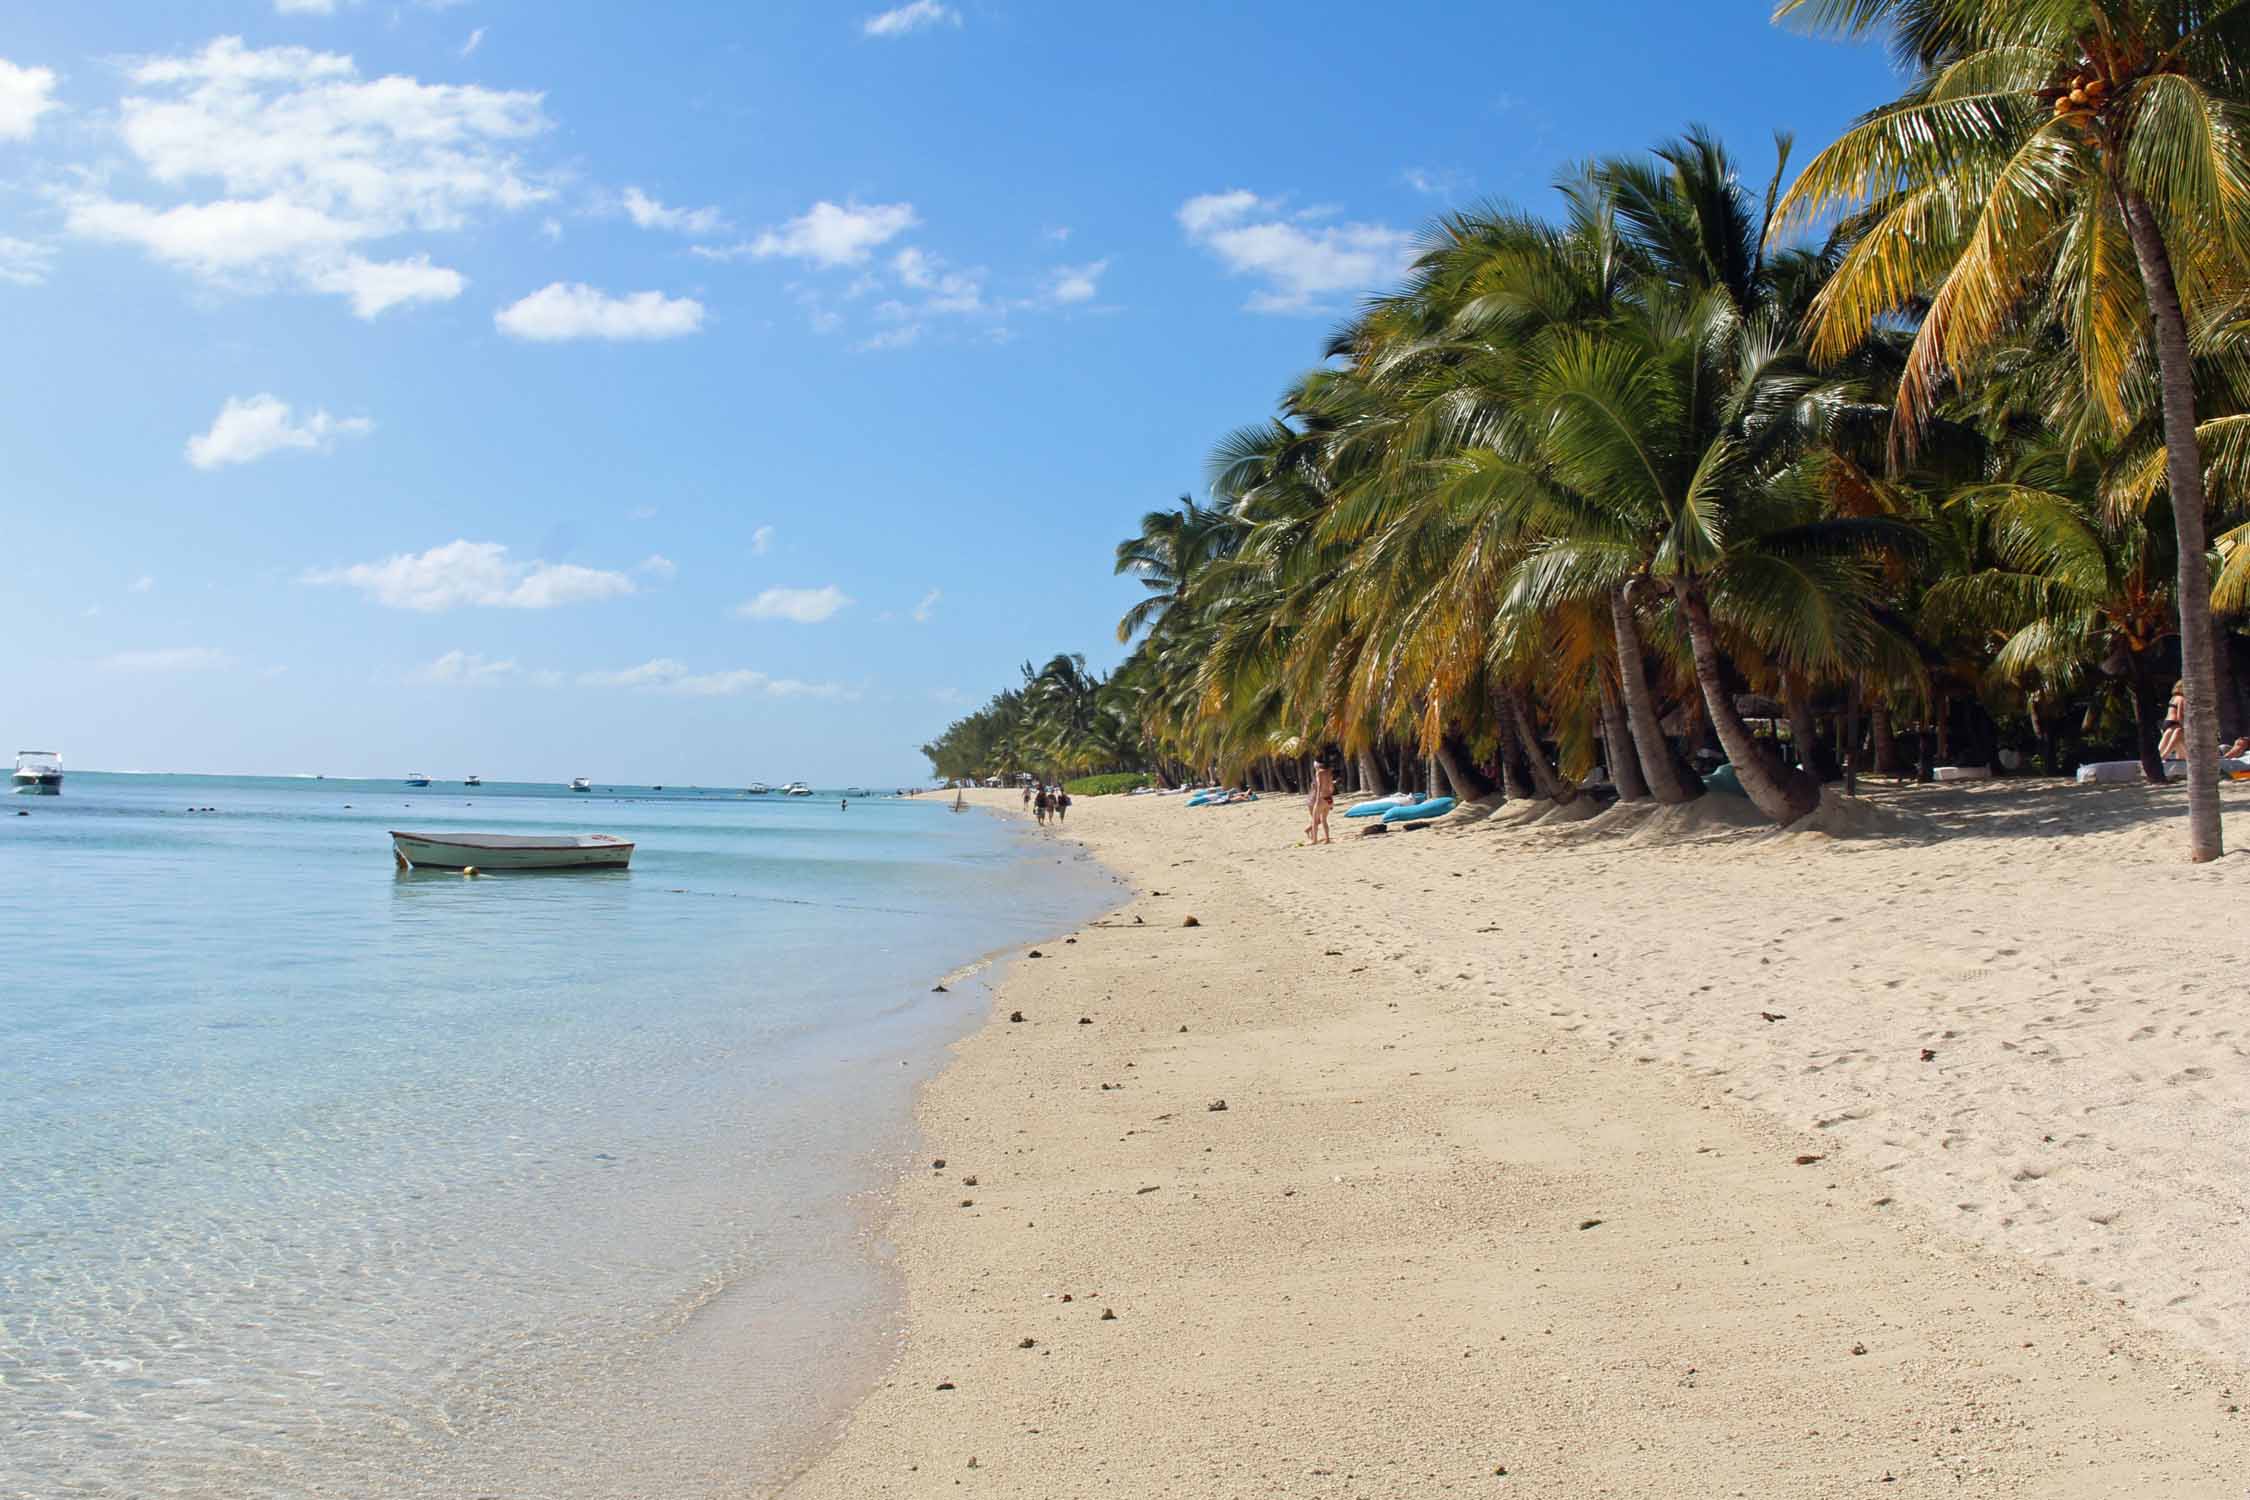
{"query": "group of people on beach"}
(1046, 802)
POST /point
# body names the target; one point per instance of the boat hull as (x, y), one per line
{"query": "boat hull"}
(39, 786)
(434, 852)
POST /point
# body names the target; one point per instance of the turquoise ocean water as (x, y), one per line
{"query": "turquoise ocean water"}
(321, 1178)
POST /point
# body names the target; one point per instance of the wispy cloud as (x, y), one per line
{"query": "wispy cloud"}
(668, 676)
(1068, 286)
(250, 427)
(140, 585)
(802, 606)
(906, 19)
(761, 541)
(1436, 182)
(826, 235)
(1303, 268)
(648, 213)
(464, 669)
(479, 574)
(928, 607)
(25, 262)
(576, 311)
(169, 659)
(476, 40)
(657, 566)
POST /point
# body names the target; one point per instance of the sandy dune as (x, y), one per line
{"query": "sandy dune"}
(1509, 1171)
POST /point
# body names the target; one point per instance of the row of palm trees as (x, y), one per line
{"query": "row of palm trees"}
(1930, 433)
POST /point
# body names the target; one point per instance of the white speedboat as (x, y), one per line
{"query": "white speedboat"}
(796, 789)
(472, 781)
(39, 772)
(416, 778)
(509, 851)
(756, 789)
(580, 784)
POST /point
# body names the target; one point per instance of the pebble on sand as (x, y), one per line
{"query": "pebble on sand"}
(1015, 1015)
(968, 1202)
(1806, 1161)
(1027, 1343)
(945, 1385)
(1216, 1106)
(1085, 1020)
(1108, 1316)
(1035, 953)
(938, 1165)
(1190, 922)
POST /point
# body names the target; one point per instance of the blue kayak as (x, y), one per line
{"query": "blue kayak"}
(1375, 808)
(1416, 812)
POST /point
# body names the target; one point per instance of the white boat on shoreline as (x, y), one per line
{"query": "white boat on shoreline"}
(510, 851)
(39, 772)
(580, 784)
(417, 778)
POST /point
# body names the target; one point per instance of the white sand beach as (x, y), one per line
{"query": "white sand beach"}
(1560, 1161)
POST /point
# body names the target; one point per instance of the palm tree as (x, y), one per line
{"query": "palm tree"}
(2076, 586)
(2040, 141)
(1165, 555)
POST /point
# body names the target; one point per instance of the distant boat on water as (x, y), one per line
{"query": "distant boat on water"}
(416, 778)
(472, 781)
(796, 789)
(757, 789)
(580, 784)
(39, 772)
(510, 851)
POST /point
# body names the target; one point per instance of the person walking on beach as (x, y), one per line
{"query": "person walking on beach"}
(1321, 799)
(1062, 803)
(1040, 806)
(2172, 745)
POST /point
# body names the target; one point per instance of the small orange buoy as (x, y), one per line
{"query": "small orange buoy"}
(471, 870)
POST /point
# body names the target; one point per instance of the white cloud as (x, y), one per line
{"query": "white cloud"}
(657, 566)
(914, 16)
(375, 286)
(463, 573)
(140, 585)
(650, 214)
(464, 668)
(761, 541)
(304, 7)
(250, 427)
(1060, 234)
(25, 262)
(476, 40)
(1068, 285)
(169, 659)
(831, 235)
(804, 606)
(641, 513)
(927, 607)
(280, 166)
(25, 95)
(578, 311)
(1301, 267)
(1437, 182)
(669, 676)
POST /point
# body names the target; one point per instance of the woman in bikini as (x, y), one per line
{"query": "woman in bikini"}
(2169, 745)
(1321, 799)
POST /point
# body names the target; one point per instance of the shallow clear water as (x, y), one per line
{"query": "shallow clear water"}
(316, 1176)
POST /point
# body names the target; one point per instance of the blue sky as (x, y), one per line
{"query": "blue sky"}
(702, 392)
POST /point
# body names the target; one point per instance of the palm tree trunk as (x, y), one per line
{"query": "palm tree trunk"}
(1624, 759)
(1543, 778)
(1657, 765)
(2149, 699)
(1886, 741)
(1804, 732)
(1513, 782)
(2184, 477)
(1371, 775)
(1467, 785)
(1782, 795)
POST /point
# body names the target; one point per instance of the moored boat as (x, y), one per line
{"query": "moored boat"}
(472, 781)
(39, 772)
(796, 789)
(416, 778)
(510, 851)
(756, 789)
(580, 784)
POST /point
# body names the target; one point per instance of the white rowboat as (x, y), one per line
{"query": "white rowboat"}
(510, 851)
